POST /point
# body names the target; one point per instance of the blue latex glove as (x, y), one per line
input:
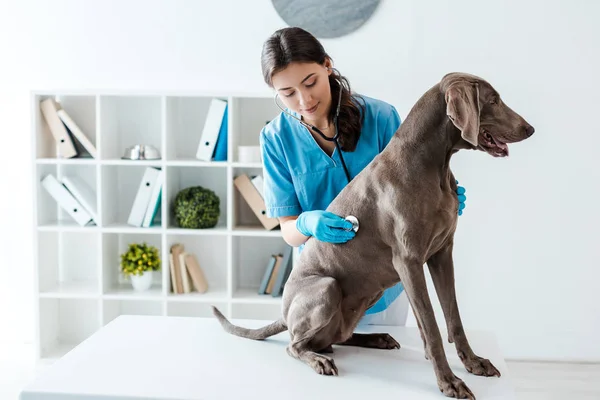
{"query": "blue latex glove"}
(460, 191)
(325, 226)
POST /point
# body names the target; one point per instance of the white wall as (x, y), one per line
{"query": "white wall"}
(526, 259)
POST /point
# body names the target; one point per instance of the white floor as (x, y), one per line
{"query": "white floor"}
(534, 381)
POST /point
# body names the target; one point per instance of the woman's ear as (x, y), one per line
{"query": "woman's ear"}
(328, 65)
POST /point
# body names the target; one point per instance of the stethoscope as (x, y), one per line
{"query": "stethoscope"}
(352, 219)
(317, 130)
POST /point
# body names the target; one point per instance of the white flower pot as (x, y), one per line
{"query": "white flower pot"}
(142, 282)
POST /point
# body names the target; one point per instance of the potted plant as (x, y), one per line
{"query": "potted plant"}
(196, 207)
(139, 263)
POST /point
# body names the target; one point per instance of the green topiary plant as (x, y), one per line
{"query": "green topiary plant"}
(139, 258)
(196, 208)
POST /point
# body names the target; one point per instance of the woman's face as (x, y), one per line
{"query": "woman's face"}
(304, 88)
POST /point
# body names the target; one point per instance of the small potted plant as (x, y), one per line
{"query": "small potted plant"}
(139, 262)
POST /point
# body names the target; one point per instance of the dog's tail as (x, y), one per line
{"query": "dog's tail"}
(257, 334)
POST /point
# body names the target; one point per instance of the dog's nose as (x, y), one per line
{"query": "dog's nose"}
(529, 130)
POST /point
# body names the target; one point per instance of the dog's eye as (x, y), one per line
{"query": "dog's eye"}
(494, 101)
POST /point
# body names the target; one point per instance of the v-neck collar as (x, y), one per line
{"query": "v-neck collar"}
(313, 140)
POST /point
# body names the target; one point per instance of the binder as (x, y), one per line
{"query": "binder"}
(142, 198)
(220, 153)
(255, 201)
(155, 200)
(66, 200)
(83, 193)
(65, 146)
(77, 133)
(210, 132)
(258, 183)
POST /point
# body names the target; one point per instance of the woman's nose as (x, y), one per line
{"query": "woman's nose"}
(305, 98)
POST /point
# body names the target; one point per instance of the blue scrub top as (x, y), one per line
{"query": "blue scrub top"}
(299, 176)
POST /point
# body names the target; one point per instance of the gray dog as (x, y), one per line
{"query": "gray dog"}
(405, 200)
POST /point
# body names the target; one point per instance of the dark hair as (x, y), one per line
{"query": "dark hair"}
(294, 44)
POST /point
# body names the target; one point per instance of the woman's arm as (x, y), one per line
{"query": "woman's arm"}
(290, 233)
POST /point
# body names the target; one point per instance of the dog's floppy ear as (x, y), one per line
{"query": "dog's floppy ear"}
(462, 107)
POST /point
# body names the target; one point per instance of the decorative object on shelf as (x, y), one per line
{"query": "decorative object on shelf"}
(326, 18)
(139, 262)
(196, 207)
(141, 152)
(249, 154)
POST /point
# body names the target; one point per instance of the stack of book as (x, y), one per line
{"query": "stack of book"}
(64, 130)
(277, 273)
(186, 274)
(148, 198)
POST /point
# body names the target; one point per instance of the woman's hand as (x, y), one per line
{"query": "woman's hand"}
(460, 191)
(325, 226)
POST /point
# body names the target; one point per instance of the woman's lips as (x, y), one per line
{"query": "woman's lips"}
(312, 110)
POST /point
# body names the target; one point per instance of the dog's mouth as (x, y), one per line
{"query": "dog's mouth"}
(492, 145)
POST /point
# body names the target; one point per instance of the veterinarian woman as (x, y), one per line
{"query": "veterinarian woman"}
(303, 172)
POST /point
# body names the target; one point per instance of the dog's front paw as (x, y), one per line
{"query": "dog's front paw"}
(479, 366)
(456, 388)
(323, 365)
(385, 341)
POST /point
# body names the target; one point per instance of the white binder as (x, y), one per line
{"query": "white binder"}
(83, 193)
(66, 200)
(210, 133)
(140, 203)
(66, 148)
(154, 204)
(79, 135)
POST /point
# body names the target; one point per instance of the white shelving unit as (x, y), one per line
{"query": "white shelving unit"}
(78, 282)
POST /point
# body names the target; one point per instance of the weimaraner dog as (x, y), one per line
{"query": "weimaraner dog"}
(405, 201)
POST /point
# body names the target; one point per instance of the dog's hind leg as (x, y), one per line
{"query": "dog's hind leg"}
(322, 364)
(372, 340)
(326, 350)
(441, 268)
(313, 322)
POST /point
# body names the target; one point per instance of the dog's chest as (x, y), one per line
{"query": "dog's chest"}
(445, 218)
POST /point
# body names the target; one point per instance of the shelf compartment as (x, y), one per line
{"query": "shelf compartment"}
(69, 266)
(82, 109)
(244, 219)
(65, 323)
(129, 120)
(250, 116)
(50, 214)
(186, 116)
(114, 283)
(180, 178)
(211, 252)
(251, 256)
(120, 186)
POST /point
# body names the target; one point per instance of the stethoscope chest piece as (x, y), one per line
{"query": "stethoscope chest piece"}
(354, 221)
